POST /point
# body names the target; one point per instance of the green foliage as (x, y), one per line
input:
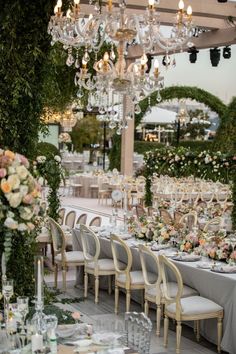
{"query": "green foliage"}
(46, 149)
(198, 145)
(63, 316)
(86, 132)
(226, 134)
(51, 171)
(115, 152)
(24, 45)
(143, 146)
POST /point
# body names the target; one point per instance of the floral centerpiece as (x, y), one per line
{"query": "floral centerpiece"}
(19, 197)
(151, 229)
(188, 241)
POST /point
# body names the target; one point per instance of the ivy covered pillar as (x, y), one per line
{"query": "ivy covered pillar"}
(127, 139)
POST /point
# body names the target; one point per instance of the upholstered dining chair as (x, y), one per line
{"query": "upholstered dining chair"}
(70, 219)
(192, 308)
(177, 216)
(140, 211)
(189, 220)
(96, 221)
(126, 278)
(81, 219)
(138, 328)
(153, 290)
(93, 265)
(61, 257)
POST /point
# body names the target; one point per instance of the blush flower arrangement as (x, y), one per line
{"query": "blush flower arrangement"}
(19, 198)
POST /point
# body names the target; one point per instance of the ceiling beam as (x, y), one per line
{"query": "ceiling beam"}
(205, 8)
(167, 19)
(212, 39)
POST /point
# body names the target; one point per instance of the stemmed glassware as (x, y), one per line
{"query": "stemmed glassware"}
(7, 290)
(23, 309)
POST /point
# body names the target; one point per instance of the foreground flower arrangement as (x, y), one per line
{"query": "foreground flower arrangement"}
(19, 197)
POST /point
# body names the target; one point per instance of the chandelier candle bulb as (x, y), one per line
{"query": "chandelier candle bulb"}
(189, 11)
(181, 5)
(68, 13)
(109, 5)
(151, 4)
(156, 68)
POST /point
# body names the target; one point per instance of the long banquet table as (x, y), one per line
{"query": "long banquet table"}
(220, 288)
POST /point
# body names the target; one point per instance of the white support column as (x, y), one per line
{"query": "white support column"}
(127, 139)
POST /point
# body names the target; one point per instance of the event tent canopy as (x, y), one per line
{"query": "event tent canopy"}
(159, 116)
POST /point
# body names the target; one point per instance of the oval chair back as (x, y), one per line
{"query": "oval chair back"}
(61, 213)
(82, 219)
(58, 237)
(213, 224)
(168, 267)
(90, 244)
(189, 220)
(117, 244)
(166, 217)
(70, 219)
(96, 221)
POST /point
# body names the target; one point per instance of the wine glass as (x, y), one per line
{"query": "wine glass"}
(7, 291)
(15, 344)
(23, 309)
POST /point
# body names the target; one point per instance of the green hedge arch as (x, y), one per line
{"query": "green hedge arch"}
(192, 92)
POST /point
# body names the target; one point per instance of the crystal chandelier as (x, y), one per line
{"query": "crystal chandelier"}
(115, 78)
(68, 120)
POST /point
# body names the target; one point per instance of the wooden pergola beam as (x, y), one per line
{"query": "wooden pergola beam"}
(212, 39)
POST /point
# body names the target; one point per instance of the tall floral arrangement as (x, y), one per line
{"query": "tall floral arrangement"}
(50, 172)
(19, 218)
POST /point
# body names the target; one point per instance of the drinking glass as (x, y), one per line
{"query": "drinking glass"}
(7, 291)
(15, 344)
(23, 309)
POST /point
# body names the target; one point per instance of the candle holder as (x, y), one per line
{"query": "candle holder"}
(39, 318)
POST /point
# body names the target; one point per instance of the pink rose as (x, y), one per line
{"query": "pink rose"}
(76, 315)
(28, 199)
(23, 160)
(3, 172)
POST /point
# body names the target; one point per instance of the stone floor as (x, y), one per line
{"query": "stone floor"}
(102, 314)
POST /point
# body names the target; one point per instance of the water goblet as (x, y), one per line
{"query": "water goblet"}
(7, 291)
(23, 309)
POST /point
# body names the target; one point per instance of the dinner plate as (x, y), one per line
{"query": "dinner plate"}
(224, 269)
(187, 258)
(160, 247)
(204, 265)
(105, 338)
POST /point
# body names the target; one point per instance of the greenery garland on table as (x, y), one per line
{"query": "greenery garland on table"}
(181, 162)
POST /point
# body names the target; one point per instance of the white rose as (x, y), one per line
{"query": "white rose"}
(14, 181)
(41, 159)
(26, 213)
(14, 199)
(57, 158)
(22, 172)
(24, 190)
(22, 227)
(41, 181)
(11, 170)
(11, 223)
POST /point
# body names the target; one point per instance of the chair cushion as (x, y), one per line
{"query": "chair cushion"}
(73, 256)
(195, 305)
(106, 264)
(136, 277)
(172, 290)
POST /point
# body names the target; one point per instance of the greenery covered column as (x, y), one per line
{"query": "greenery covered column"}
(24, 45)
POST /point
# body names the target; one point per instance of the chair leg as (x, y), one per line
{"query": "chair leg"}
(116, 299)
(85, 285)
(109, 284)
(178, 336)
(127, 300)
(96, 288)
(166, 325)
(198, 330)
(146, 307)
(219, 334)
(158, 320)
(55, 275)
(64, 279)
